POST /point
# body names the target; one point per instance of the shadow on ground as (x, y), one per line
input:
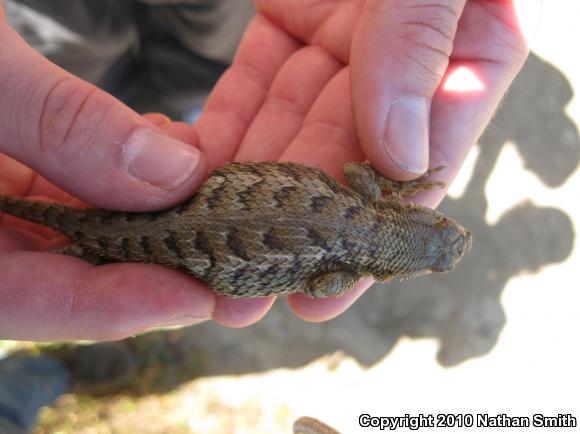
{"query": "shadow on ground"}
(461, 309)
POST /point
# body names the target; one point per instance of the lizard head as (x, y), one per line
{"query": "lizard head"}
(432, 242)
(416, 241)
(445, 243)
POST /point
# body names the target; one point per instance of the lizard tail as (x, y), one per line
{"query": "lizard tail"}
(60, 217)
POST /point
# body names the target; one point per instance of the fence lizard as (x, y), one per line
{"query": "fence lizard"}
(310, 425)
(256, 229)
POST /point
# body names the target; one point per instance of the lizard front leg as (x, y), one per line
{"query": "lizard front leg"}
(367, 181)
(409, 188)
(331, 284)
(362, 178)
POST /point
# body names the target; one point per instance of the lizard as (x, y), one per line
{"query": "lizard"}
(263, 228)
(310, 425)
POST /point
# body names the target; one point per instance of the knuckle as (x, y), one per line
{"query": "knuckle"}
(67, 115)
(513, 48)
(430, 63)
(427, 32)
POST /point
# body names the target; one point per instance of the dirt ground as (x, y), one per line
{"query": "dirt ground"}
(498, 335)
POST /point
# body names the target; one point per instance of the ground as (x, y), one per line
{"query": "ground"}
(497, 335)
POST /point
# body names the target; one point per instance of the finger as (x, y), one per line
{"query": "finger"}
(504, 42)
(329, 24)
(458, 120)
(327, 140)
(300, 18)
(480, 72)
(17, 180)
(40, 186)
(400, 53)
(294, 90)
(239, 93)
(328, 137)
(23, 182)
(52, 297)
(180, 131)
(15, 177)
(14, 239)
(242, 312)
(325, 309)
(41, 189)
(86, 141)
(157, 119)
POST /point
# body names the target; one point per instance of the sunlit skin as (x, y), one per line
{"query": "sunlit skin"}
(462, 80)
(289, 95)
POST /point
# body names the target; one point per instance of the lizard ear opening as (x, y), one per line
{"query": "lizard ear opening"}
(417, 273)
(426, 216)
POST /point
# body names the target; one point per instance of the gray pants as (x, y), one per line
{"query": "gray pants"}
(26, 385)
(145, 52)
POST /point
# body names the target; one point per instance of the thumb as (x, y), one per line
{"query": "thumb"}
(86, 141)
(400, 52)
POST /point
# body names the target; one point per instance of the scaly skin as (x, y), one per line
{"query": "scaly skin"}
(309, 425)
(256, 229)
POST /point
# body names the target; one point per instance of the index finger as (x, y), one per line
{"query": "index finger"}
(240, 92)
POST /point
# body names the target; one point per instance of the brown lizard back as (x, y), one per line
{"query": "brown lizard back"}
(256, 229)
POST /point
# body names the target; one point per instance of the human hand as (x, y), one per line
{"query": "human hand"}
(307, 103)
(97, 149)
(288, 93)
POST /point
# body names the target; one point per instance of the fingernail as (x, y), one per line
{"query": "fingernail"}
(158, 160)
(406, 138)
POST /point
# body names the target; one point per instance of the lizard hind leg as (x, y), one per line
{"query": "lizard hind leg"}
(331, 284)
